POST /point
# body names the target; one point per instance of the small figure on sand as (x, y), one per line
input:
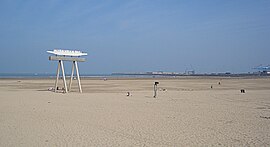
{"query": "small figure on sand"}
(163, 89)
(155, 89)
(128, 94)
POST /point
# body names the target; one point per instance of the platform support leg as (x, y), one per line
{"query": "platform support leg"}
(57, 76)
(71, 76)
(64, 77)
(78, 76)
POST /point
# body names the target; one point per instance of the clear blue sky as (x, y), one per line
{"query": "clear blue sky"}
(136, 35)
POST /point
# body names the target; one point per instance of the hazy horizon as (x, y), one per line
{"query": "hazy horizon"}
(136, 36)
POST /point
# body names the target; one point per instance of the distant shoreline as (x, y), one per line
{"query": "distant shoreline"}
(115, 77)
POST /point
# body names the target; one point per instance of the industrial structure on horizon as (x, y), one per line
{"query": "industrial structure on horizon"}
(260, 71)
(263, 69)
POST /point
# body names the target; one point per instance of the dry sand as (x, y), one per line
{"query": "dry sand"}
(187, 113)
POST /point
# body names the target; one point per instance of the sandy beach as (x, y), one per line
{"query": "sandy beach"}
(186, 112)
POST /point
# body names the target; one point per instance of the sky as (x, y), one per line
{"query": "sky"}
(136, 35)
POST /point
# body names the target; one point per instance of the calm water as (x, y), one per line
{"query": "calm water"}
(51, 75)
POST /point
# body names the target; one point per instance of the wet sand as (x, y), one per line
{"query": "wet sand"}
(186, 112)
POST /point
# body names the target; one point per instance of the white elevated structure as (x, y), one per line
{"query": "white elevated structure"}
(62, 52)
(67, 55)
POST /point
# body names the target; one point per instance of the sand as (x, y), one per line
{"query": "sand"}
(186, 112)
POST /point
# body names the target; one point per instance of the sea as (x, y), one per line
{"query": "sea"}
(53, 75)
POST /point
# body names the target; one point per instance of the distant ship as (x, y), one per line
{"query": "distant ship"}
(61, 52)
